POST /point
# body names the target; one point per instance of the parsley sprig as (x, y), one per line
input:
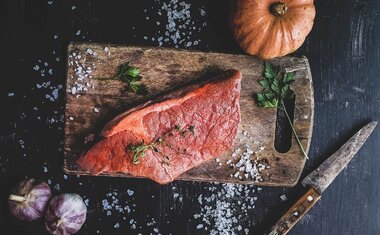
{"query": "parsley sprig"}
(131, 76)
(276, 89)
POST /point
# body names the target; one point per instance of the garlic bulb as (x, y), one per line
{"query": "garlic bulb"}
(66, 214)
(29, 199)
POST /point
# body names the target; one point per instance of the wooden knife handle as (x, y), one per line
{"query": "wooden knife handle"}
(294, 214)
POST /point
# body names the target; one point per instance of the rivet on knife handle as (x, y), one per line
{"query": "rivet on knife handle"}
(294, 214)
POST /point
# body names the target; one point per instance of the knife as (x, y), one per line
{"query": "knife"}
(318, 180)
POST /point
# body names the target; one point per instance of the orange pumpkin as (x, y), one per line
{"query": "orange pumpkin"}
(270, 28)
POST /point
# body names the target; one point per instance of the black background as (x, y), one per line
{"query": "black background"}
(344, 53)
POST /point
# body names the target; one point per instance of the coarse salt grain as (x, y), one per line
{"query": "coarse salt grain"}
(180, 28)
(82, 72)
(224, 207)
(248, 166)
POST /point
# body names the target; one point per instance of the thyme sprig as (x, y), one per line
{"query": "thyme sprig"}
(139, 150)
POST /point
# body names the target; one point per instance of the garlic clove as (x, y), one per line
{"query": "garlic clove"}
(66, 214)
(28, 200)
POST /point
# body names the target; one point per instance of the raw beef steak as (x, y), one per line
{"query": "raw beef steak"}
(161, 140)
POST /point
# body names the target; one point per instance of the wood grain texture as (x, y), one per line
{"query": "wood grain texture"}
(343, 50)
(164, 70)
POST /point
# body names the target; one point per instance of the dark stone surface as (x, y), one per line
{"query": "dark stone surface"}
(344, 53)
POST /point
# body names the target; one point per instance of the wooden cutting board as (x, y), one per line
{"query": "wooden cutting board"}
(91, 103)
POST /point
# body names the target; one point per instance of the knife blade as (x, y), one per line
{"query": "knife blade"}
(319, 179)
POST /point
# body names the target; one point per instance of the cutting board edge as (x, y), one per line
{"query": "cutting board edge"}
(124, 176)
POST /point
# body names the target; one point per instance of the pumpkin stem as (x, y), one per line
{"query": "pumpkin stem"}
(278, 8)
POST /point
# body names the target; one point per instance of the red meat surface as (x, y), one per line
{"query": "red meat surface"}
(187, 127)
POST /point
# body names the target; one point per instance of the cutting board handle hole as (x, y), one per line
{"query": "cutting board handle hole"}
(283, 137)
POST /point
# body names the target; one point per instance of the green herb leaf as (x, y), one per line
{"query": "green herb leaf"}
(275, 86)
(288, 78)
(276, 89)
(133, 72)
(131, 76)
(138, 152)
(271, 71)
(140, 149)
(265, 84)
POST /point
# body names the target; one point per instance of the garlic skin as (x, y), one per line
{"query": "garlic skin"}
(66, 214)
(29, 199)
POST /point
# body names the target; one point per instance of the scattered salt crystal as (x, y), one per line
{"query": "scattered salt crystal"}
(71, 118)
(78, 32)
(130, 192)
(36, 67)
(55, 36)
(57, 187)
(73, 7)
(283, 197)
(202, 11)
(106, 49)
(65, 177)
(10, 94)
(55, 94)
(96, 110)
(89, 51)
(117, 225)
(50, 2)
(199, 226)
(310, 198)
